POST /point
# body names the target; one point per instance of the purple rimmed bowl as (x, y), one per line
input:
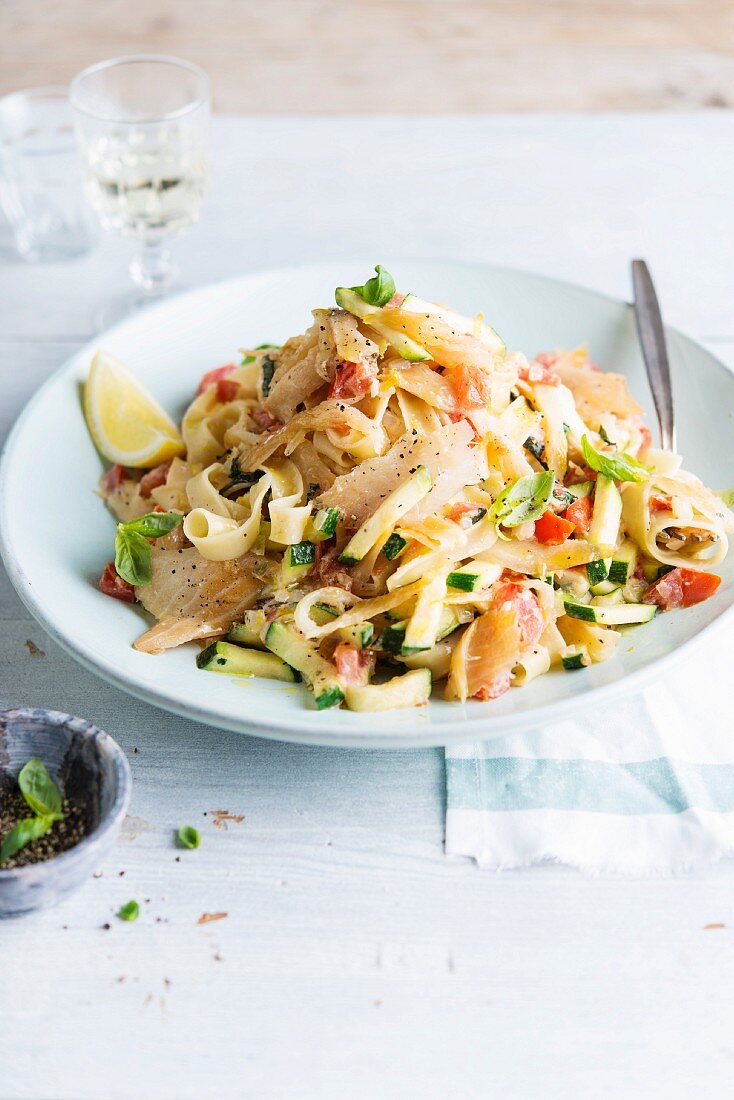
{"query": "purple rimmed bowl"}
(91, 770)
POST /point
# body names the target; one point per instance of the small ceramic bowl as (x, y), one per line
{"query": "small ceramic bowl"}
(90, 769)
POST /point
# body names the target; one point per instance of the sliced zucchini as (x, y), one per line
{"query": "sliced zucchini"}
(324, 524)
(250, 631)
(473, 575)
(437, 659)
(360, 635)
(624, 563)
(297, 561)
(320, 675)
(412, 689)
(392, 639)
(580, 489)
(607, 598)
(619, 615)
(322, 613)
(607, 514)
(597, 571)
(399, 501)
(576, 656)
(237, 661)
(423, 627)
(604, 588)
(471, 326)
(394, 546)
(405, 347)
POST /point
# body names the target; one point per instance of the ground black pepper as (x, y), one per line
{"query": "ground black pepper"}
(61, 836)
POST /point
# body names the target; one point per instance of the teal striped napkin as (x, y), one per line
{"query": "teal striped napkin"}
(643, 785)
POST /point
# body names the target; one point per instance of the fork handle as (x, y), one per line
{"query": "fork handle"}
(654, 350)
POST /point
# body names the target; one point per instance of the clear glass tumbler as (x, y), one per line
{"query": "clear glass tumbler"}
(41, 187)
(143, 128)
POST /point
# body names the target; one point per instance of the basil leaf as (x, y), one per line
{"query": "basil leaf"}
(378, 290)
(26, 830)
(38, 788)
(618, 466)
(260, 347)
(268, 370)
(132, 556)
(523, 501)
(188, 836)
(727, 495)
(129, 911)
(153, 524)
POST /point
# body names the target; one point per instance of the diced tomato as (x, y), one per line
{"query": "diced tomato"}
(659, 504)
(579, 514)
(154, 479)
(353, 665)
(539, 371)
(112, 584)
(681, 588)
(472, 387)
(227, 389)
(113, 479)
(267, 422)
(213, 376)
(552, 530)
(353, 379)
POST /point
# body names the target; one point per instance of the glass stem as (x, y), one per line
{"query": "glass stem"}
(152, 269)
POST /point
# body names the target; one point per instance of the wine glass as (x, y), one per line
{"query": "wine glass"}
(142, 125)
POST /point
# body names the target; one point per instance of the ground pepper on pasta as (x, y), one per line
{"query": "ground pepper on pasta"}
(394, 501)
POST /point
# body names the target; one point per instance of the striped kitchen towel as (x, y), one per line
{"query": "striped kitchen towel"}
(638, 785)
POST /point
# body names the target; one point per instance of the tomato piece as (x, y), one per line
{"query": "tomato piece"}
(213, 376)
(227, 389)
(113, 479)
(681, 588)
(552, 530)
(579, 514)
(154, 479)
(112, 584)
(353, 665)
(353, 379)
(540, 371)
(659, 504)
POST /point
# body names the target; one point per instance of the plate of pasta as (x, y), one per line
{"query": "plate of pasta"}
(420, 508)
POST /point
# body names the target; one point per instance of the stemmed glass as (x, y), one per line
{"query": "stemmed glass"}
(142, 125)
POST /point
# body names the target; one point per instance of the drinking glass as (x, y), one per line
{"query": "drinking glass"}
(41, 190)
(142, 124)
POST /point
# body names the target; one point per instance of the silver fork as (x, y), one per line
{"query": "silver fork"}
(654, 350)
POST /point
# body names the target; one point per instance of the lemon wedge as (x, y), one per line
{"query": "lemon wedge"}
(126, 422)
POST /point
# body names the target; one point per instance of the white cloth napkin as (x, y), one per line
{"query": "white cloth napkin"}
(638, 785)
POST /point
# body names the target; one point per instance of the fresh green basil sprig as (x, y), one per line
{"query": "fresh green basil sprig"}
(132, 549)
(43, 797)
(378, 290)
(523, 501)
(618, 466)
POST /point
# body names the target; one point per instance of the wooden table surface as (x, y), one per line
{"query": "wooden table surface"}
(396, 56)
(355, 959)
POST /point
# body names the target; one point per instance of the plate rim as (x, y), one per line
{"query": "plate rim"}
(452, 731)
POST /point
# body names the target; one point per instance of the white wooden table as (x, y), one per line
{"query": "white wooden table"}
(355, 959)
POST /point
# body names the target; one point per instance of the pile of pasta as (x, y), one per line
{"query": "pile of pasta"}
(395, 498)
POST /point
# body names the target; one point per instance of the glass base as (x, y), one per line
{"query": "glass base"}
(119, 309)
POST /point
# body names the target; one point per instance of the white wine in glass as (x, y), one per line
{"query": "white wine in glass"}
(143, 129)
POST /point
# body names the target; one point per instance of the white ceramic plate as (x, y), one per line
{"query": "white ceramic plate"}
(56, 535)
